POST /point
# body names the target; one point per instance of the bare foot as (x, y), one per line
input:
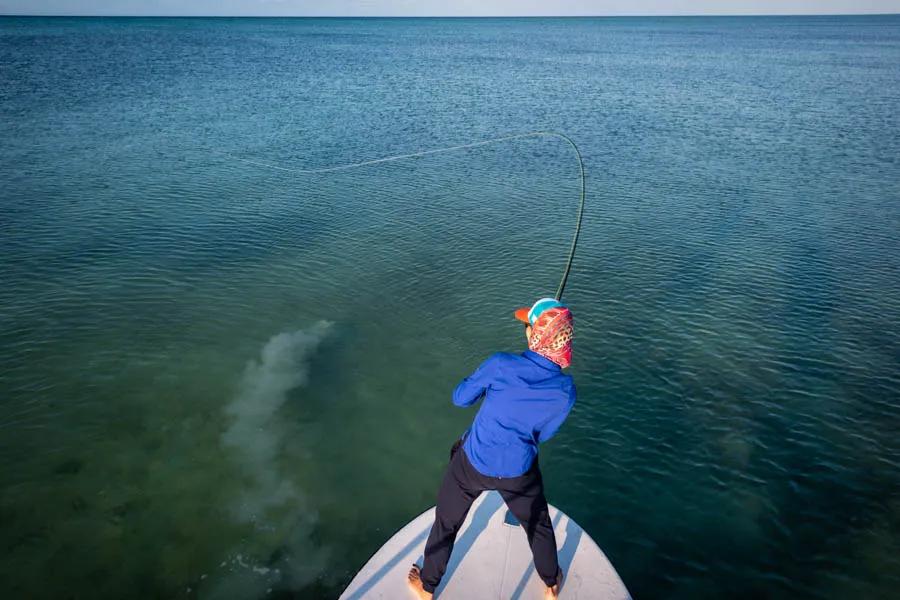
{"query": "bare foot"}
(552, 593)
(414, 581)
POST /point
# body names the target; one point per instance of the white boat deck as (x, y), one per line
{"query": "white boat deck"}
(491, 559)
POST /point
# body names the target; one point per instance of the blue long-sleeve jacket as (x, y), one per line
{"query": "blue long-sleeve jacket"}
(526, 398)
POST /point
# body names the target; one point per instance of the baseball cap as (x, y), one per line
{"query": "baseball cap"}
(530, 315)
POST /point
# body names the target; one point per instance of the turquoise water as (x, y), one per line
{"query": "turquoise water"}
(225, 381)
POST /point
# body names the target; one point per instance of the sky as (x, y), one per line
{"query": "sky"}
(443, 7)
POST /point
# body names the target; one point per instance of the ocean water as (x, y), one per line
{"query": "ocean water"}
(222, 380)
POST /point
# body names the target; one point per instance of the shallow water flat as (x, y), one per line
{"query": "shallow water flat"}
(220, 380)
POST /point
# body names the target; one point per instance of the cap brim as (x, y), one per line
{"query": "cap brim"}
(522, 315)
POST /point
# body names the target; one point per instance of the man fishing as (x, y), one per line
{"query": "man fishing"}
(525, 398)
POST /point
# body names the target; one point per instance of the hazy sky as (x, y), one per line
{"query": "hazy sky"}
(444, 7)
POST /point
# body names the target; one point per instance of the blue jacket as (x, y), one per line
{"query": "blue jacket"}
(526, 399)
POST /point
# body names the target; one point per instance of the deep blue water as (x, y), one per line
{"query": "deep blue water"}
(221, 380)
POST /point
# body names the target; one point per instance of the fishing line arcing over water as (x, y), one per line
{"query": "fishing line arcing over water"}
(365, 163)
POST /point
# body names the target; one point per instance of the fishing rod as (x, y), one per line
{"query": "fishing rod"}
(365, 163)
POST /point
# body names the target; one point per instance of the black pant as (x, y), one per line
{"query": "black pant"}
(524, 495)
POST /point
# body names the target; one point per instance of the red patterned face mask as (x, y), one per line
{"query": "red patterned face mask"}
(551, 336)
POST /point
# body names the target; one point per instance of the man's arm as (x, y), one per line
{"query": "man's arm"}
(475, 385)
(550, 428)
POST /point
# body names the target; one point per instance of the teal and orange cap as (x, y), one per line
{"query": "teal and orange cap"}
(530, 315)
(551, 330)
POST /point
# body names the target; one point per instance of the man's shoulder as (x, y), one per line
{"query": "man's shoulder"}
(506, 357)
(505, 362)
(566, 386)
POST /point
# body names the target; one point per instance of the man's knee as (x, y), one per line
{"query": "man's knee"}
(449, 523)
(528, 508)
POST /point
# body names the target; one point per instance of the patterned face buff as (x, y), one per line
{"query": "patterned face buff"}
(551, 336)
